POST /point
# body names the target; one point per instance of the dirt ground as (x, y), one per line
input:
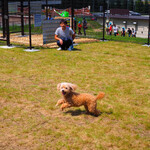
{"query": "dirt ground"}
(37, 40)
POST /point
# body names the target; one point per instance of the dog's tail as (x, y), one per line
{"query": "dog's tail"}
(100, 95)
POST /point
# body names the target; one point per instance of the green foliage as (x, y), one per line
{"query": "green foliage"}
(139, 6)
(118, 4)
(124, 4)
(131, 5)
(146, 7)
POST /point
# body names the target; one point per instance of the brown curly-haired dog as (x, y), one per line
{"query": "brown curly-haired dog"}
(71, 98)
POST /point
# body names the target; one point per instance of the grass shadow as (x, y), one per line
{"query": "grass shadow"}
(76, 112)
(76, 49)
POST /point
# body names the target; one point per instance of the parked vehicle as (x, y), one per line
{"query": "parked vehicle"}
(132, 13)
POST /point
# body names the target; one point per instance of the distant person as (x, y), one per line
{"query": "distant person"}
(84, 26)
(133, 33)
(107, 28)
(123, 32)
(49, 17)
(79, 28)
(129, 32)
(64, 36)
(115, 29)
(110, 29)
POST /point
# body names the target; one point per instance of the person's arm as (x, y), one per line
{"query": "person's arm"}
(72, 33)
(58, 39)
(73, 36)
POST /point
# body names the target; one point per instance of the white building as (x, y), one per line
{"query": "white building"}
(139, 23)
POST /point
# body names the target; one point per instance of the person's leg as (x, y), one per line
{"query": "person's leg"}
(65, 44)
(68, 43)
(84, 31)
(80, 31)
(61, 46)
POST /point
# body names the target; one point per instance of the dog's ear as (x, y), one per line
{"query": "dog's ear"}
(73, 87)
(58, 86)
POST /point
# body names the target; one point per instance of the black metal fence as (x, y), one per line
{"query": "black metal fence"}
(120, 20)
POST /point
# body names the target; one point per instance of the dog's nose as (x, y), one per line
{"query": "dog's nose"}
(62, 90)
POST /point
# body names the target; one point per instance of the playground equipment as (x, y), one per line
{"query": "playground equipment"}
(63, 14)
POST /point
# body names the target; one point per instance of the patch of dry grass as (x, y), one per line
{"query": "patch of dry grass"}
(30, 120)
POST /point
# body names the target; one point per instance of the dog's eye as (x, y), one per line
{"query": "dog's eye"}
(66, 87)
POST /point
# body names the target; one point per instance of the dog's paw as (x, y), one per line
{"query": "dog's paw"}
(62, 108)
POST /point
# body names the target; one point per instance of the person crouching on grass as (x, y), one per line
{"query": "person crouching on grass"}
(64, 36)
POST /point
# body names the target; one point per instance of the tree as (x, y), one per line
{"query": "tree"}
(146, 7)
(111, 4)
(131, 5)
(124, 4)
(139, 6)
(118, 4)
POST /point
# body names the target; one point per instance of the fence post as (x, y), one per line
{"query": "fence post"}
(6, 17)
(149, 27)
(3, 19)
(46, 9)
(72, 13)
(103, 21)
(29, 17)
(93, 4)
(22, 18)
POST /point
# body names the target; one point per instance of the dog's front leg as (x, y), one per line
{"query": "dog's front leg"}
(61, 101)
(65, 105)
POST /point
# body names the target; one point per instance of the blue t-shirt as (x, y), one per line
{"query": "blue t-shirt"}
(66, 34)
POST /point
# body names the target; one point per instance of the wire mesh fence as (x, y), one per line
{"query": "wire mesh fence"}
(119, 20)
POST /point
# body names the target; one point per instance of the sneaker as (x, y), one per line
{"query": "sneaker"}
(70, 48)
(59, 49)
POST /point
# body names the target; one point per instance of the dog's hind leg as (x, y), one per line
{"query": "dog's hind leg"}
(86, 108)
(97, 112)
(61, 101)
(92, 109)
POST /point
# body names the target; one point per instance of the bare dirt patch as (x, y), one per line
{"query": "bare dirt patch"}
(97, 30)
(37, 40)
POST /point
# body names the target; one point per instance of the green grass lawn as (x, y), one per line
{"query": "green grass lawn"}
(28, 94)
